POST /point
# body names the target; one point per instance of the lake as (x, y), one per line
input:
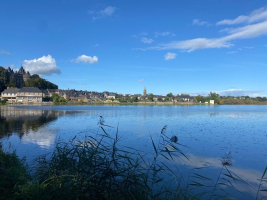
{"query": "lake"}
(208, 133)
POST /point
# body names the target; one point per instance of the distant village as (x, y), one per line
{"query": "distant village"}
(36, 95)
(22, 87)
(20, 94)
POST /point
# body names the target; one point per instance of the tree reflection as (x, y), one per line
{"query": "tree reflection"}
(20, 121)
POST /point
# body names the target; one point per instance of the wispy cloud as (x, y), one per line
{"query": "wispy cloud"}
(141, 81)
(231, 52)
(146, 40)
(85, 59)
(170, 56)
(164, 34)
(232, 92)
(255, 16)
(4, 52)
(84, 83)
(108, 11)
(140, 34)
(43, 66)
(200, 23)
(239, 92)
(249, 31)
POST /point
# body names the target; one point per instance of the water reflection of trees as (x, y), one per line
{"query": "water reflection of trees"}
(20, 121)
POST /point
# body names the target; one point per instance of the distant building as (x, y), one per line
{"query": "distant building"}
(187, 98)
(29, 95)
(212, 102)
(10, 94)
(23, 95)
(144, 92)
(19, 77)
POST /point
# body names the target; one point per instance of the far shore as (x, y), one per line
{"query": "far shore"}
(123, 103)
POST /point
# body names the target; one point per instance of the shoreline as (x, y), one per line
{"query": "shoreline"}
(123, 104)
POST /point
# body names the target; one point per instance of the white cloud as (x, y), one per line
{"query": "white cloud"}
(43, 66)
(255, 16)
(225, 30)
(194, 44)
(231, 52)
(141, 80)
(170, 56)
(238, 92)
(146, 40)
(85, 59)
(232, 92)
(164, 34)
(4, 52)
(249, 31)
(108, 11)
(37, 137)
(200, 23)
(140, 35)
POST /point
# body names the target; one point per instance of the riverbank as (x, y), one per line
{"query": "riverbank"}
(134, 103)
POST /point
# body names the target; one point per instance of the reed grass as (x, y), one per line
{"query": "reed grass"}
(101, 168)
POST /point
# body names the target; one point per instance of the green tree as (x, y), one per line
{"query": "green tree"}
(4, 78)
(55, 97)
(135, 98)
(150, 97)
(214, 96)
(169, 97)
(62, 100)
(36, 81)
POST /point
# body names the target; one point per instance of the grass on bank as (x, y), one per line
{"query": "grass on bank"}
(100, 168)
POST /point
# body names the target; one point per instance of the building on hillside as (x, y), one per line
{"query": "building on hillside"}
(51, 91)
(29, 95)
(20, 77)
(10, 94)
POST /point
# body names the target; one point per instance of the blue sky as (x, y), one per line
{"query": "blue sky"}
(178, 46)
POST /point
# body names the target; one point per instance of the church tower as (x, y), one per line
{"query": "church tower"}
(144, 93)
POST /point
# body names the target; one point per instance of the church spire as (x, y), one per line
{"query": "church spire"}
(144, 92)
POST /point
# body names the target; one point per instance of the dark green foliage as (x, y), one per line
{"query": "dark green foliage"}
(160, 99)
(13, 172)
(150, 97)
(169, 97)
(135, 99)
(47, 99)
(36, 81)
(125, 99)
(4, 78)
(56, 99)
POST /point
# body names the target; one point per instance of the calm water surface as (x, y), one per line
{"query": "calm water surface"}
(208, 131)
